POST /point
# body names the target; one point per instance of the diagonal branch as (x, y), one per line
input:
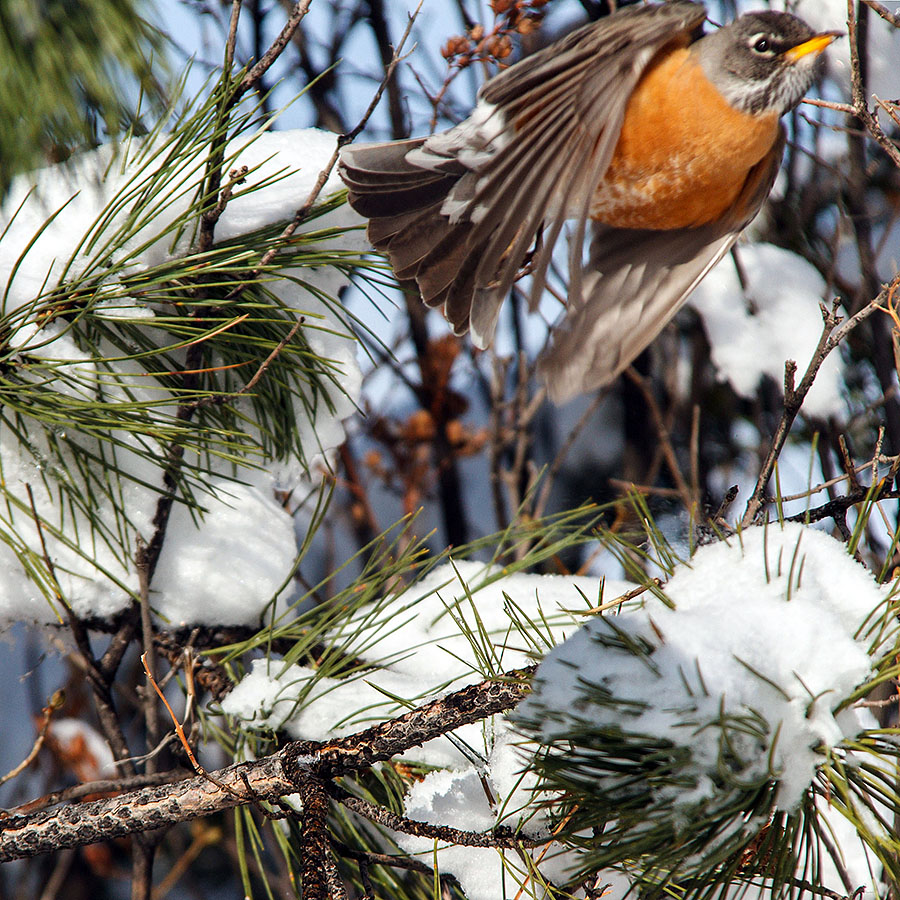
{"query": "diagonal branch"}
(833, 332)
(299, 763)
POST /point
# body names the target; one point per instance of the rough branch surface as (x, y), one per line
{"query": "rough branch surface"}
(265, 780)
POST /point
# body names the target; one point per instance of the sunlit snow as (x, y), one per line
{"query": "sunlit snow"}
(225, 565)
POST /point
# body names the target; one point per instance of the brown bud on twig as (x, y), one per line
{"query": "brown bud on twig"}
(499, 46)
(455, 46)
(529, 23)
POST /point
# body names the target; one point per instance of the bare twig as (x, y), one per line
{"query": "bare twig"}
(381, 859)
(838, 506)
(148, 657)
(884, 12)
(304, 210)
(275, 49)
(500, 837)
(498, 442)
(104, 786)
(317, 868)
(553, 471)
(857, 84)
(54, 704)
(832, 334)
(99, 678)
(665, 440)
(845, 108)
(220, 399)
(519, 477)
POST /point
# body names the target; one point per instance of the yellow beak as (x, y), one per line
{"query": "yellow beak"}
(815, 44)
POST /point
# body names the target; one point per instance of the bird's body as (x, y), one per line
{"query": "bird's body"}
(663, 142)
(659, 176)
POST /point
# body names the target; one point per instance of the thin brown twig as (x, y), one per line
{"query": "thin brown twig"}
(884, 12)
(860, 107)
(607, 605)
(694, 451)
(499, 837)
(343, 139)
(231, 40)
(834, 509)
(276, 48)
(98, 678)
(890, 107)
(179, 730)
(833, 332)
(845, 108)
(847, 463)
(151, 710)
(103, 786)
(219, 399)
(269, 778)
(381, 859)
(519, 477)
(498, 441)
(831, 482)
(649, 489)
(553, 471)
(54, 704)
(665, 440)
(873, 306)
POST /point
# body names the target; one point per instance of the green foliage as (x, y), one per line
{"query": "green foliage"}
(338, 638)
(631, 800)
(69, 67)
(142, 348)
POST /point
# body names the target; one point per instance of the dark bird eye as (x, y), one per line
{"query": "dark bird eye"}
(761, 45)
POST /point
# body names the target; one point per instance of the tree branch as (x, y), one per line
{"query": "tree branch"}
(831, 336)
(297, 765)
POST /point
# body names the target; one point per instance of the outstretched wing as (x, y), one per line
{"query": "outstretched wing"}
(634, 283)
(459, 211)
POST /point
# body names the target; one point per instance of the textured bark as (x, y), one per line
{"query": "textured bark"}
(138, 811)
(305, 759)
(300, 766)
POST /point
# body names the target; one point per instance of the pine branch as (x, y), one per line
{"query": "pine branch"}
(297, 765)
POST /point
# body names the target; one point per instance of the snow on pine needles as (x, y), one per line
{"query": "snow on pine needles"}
(105, 294)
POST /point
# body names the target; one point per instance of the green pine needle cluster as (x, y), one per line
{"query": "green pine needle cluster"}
(158, 396)
(73, 72)
(615, 792)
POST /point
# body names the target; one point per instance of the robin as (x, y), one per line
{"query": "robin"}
(663, 139)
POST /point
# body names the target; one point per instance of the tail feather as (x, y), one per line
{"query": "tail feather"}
(406, 205)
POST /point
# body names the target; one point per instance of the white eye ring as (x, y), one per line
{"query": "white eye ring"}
(761, 44)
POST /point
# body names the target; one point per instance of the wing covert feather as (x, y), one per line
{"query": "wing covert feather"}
(634, 283)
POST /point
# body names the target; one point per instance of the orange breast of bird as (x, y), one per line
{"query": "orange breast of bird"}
(684, 151)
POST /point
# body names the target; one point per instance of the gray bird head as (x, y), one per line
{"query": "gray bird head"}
(764, 61)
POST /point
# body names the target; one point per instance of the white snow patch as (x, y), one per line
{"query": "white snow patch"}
(417, 651)
(752, 333)
(474, 800)
(86, 753)
(883, 46)
(787, 603)
(234, 563)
